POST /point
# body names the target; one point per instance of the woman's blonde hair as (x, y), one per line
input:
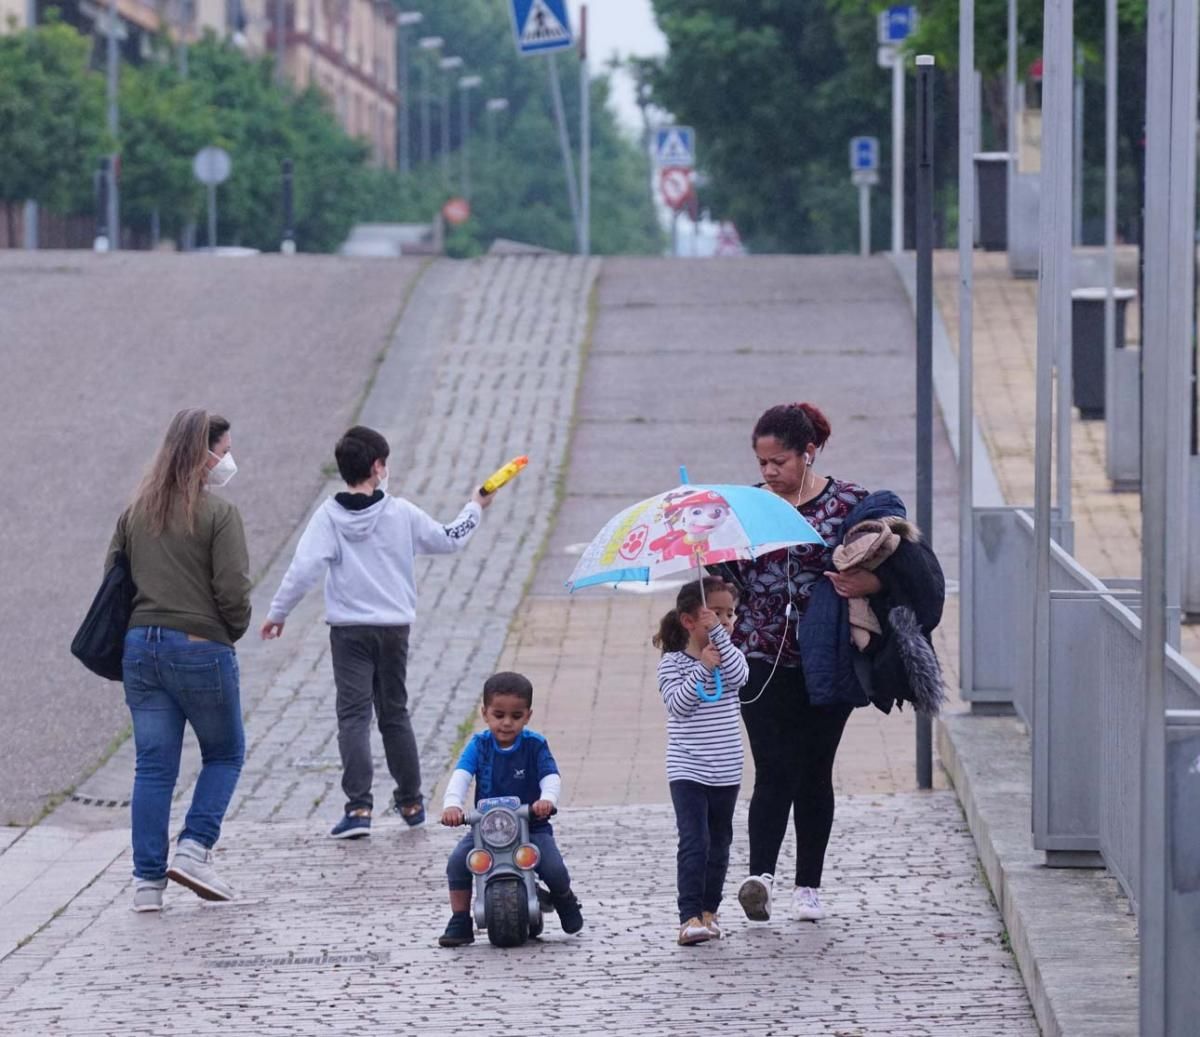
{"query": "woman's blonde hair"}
(170, 490)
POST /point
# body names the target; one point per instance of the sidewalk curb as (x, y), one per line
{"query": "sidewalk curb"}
(1071, 932)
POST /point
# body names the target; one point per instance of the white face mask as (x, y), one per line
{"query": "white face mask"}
(383, 481)
(224, 470)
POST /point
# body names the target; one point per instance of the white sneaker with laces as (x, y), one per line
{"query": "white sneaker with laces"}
(754, 895)
(806, 903)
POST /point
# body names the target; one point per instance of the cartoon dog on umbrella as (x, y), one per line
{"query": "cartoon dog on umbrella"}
(692, 517)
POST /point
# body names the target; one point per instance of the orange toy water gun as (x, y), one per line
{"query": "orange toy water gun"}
(502, 475)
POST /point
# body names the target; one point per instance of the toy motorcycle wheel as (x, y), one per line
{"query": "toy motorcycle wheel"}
(507, 912)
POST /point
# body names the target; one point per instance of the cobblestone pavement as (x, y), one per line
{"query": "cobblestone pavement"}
(504, 384)
(330, 937)
(341, 938)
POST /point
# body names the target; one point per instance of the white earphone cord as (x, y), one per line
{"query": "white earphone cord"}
(787, 615)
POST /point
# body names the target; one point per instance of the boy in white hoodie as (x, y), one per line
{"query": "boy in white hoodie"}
(364, 543)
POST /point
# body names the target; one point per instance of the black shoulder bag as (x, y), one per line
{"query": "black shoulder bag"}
(100, 641)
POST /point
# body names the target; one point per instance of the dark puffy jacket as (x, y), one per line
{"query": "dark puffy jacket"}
(903, 668)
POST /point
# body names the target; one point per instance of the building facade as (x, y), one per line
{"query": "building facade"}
(347, 50)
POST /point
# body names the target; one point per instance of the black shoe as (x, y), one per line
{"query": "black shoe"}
(545, 898)
(570, 916)
(460, 930)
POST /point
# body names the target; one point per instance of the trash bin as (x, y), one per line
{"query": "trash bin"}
(1087, 345)
(991, 193)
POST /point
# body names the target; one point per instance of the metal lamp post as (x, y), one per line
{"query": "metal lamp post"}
(431, 44)
(448, 65)
(403, 20)
(465, 85)
(494, 105)
(114, 203)
(31, 208)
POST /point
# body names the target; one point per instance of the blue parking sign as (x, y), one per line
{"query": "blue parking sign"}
(864, 153)
(896, 24)
(541, 26)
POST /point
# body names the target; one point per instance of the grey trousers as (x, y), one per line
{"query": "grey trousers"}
(369, 665)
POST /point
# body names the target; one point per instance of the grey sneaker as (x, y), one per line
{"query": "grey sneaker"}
(148, 894)
(192, 867)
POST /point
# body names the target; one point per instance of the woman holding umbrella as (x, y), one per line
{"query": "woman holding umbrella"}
(793, 741)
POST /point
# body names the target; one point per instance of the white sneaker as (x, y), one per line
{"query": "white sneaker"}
(806, 903)
(754, 895)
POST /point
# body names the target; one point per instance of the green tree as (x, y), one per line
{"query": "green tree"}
(520, 190)
(51, 118)
(164, 122)
(775, 90)
(260, 125)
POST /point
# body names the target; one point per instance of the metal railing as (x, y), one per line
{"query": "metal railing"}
(1086, 723)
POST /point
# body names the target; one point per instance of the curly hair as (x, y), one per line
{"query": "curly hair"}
(795, 425)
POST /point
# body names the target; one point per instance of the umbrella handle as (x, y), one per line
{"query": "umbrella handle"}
(702, 692)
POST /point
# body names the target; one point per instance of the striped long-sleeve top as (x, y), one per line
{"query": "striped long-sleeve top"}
(704, 739)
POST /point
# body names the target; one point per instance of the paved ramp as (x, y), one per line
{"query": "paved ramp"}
(96, 354)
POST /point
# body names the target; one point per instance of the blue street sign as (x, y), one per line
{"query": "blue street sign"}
(675, 146)
(896, 24)
(864, 153)
(541, 26)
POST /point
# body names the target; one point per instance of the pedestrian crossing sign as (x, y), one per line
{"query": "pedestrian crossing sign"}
(541, 26)
(675, 146)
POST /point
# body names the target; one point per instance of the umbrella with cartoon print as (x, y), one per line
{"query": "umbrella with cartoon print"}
(686, 528)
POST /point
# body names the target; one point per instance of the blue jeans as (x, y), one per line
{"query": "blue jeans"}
(169, 681)
(704, 817)
(551, 869)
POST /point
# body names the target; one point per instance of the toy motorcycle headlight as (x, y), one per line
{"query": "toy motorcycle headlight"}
(479, 862)
(499, 827)
(526, 857)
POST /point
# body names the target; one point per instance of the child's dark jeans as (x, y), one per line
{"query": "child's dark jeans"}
(551, 869)
(704, 817)
(369, 669)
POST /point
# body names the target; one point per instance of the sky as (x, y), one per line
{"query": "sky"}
(627, 28)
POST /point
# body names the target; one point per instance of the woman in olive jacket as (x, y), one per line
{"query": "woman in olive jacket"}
(187, 554)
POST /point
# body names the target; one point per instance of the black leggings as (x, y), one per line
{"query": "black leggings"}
(793, 743)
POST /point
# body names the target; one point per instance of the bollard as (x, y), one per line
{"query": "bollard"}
(100, 189)
(288, 245)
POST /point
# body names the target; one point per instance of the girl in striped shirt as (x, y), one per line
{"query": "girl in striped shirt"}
(704, 744)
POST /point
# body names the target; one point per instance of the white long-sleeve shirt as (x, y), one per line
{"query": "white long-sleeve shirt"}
(366, 557)
(704, 739)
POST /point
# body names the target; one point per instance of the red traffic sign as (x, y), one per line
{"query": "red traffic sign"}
(675, 182)
(456, 211)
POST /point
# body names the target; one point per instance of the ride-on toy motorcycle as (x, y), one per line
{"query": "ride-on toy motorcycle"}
(507, 902)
